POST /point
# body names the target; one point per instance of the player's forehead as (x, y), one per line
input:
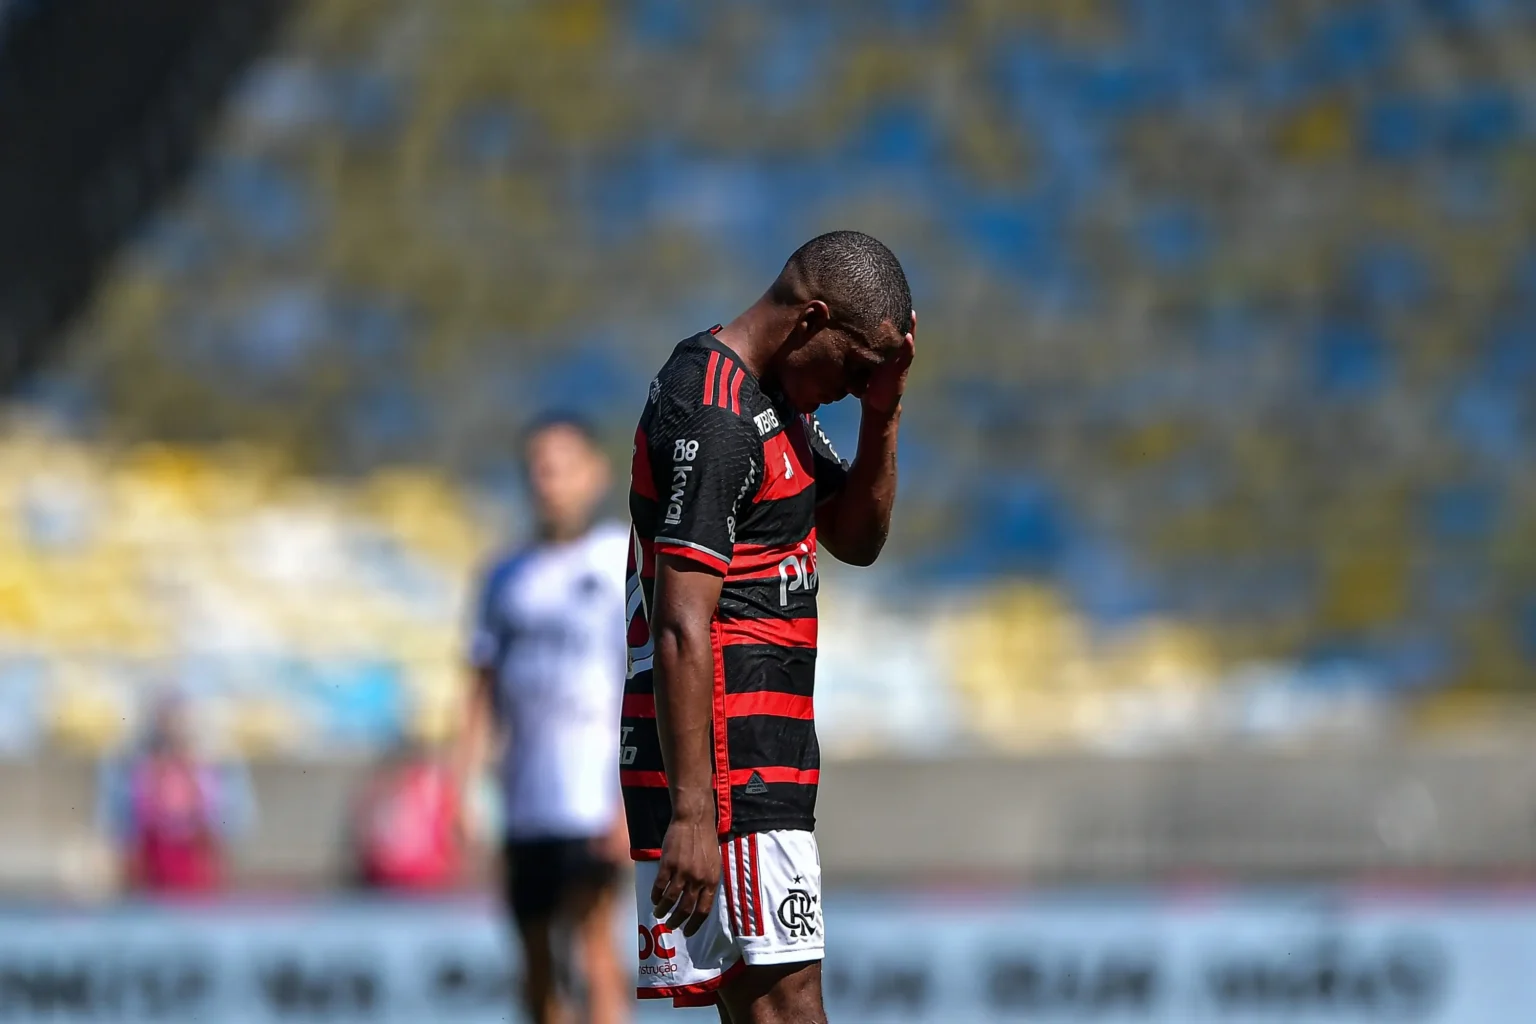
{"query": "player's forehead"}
(559, 440)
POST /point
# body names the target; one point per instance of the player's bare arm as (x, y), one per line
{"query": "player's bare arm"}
(473, 746)
(686, 597)
(854, 524)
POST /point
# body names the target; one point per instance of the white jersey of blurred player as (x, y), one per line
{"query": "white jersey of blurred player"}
(551, 629)
(549, 652)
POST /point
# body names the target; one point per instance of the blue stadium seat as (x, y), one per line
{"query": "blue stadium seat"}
(268, 205)
(1482, 119)
(1352, 360)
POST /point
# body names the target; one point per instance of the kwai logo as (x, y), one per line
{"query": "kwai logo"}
(683, 454)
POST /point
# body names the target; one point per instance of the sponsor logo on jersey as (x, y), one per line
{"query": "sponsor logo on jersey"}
(683, 453)
(655, 388)
(797, 572)
(821, 435)
(756, 786)
(653, 943)
(766, 421)
(797, 913)
(746, 485)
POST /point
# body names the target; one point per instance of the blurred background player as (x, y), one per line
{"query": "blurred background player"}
(548, 657)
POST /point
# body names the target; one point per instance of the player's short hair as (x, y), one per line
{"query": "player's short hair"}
(560, 419)
(859, 279)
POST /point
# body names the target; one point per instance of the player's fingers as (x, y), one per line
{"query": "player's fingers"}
(665, 906)
(684, 909)
(664, 893)
(663, 876)
(701, 911)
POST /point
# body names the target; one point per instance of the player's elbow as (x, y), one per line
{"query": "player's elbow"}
(851, 544)
(675, 637)
(864, 556)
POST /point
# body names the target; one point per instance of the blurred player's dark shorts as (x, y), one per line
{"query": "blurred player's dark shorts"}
(540, 875)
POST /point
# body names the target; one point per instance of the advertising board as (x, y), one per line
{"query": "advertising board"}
(1319, 957)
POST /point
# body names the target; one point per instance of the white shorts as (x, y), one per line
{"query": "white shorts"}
(767, 911)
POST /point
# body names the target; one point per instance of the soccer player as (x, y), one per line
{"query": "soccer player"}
(548, 658)
(733, 487)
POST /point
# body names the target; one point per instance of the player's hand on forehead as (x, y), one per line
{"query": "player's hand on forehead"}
(889, 381)
(904, 338)
(902, 348)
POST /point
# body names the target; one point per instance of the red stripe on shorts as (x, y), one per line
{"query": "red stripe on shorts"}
(725, 876)
(746, 893)
(757, 887)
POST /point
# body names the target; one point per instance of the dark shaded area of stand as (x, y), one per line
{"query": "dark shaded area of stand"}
(102, 107)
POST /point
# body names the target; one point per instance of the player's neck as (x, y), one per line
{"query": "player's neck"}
(756, 337)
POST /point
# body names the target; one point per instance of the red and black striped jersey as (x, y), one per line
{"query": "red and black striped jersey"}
(728, 475)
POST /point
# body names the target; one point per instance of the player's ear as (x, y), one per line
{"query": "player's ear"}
(814, 315)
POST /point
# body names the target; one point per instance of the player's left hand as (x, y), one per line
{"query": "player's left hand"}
(889, 382)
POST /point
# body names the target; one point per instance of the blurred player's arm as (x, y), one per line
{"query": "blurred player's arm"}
(475, 738)
(473, 745)
(614, 845)
(854, 523)
(687, 594)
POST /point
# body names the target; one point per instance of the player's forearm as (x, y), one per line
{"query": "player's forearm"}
(684, 675)
(861, 518)
(474, 738)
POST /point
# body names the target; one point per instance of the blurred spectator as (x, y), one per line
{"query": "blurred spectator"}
(172, 812)
(406, 834)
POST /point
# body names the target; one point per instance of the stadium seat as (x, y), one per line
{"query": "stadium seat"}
(1198, 281)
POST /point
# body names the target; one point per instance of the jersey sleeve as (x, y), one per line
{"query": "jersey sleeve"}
(487, 632)
(705, 460)
(831, 470)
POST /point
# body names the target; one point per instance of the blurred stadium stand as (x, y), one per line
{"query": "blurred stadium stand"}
(300, 618)
(1222, 424)
(87, 155)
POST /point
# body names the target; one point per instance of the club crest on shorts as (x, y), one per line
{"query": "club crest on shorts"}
(797, 912)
